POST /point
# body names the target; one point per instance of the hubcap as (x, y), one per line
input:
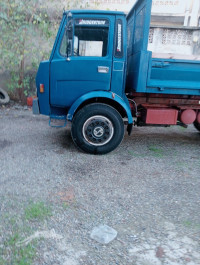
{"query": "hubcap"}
(98, 130)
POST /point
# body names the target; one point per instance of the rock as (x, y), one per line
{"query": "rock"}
(18, 107)
(103, 234)
(160, 252)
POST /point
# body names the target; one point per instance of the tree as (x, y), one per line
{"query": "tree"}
(28, 29)
(20, 23)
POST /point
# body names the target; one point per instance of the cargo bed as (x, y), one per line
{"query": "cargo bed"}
(147, 73)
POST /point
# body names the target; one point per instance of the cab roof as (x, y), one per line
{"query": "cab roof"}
(95, 12)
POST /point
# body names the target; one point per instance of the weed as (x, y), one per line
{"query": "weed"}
(11, 254)
(158, 152)
(181, 128)
(13, 221)
(136, 155)
(25, 255)
(190, 224)
(2, 261)
(65, 205)
(182, 165)
(131, 153)
(12, 240)
(10, 251)
(37, 211)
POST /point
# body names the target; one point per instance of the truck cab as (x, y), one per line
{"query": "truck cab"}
(87, 69)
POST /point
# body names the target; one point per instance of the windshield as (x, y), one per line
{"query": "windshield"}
(89, 39)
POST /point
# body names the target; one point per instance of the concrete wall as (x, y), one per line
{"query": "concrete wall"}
(175, 29)
(119, 5)
(181, 12)
(186, 11)
(175, 43)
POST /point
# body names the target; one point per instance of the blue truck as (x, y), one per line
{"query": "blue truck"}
(102, 78)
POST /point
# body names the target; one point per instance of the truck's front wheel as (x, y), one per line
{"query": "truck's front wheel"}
(97, 129)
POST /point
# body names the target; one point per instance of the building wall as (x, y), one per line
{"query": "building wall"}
(169, 6)
(119, 5)
(175, 29)
(188, 11)
(175, 43)
(182, 12)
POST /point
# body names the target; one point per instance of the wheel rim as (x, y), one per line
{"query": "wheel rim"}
(98, 130)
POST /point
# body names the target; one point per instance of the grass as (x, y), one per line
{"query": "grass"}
(25, 255)
(135, 154)
(18, 229)
(183, 165)
(65, 205)
(11, 254)
(157, 152)
(191, 224)
(13, 240)
(37, 211)
(188, 223)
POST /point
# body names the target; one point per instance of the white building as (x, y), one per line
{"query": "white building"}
(175, 29)
(119, 5)
(176, 12)
(175, 26)
(181, 12)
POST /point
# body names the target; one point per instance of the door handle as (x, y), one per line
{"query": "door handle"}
(103, 69)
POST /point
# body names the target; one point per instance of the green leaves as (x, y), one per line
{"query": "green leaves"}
(25, 30)
(28, 31)
(37, 211)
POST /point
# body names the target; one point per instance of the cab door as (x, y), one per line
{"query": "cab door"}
(82, 61)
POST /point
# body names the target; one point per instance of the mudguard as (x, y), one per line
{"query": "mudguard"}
(100, 94)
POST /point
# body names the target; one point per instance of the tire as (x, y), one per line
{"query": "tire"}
(197, 125)
(97, 129)
(4, 98)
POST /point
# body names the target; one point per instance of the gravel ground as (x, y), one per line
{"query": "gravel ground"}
(52, 196)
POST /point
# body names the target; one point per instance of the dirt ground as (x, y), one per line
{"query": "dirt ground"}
(52, 196)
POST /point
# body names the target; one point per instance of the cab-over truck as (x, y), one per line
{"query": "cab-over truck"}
(101, 77)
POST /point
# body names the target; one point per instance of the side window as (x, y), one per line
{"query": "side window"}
(63, 47)
(66, 44)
